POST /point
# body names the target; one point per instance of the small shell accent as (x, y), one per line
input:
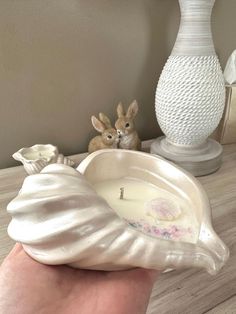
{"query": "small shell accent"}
(163, 209)
(38, 156)
(61, 159)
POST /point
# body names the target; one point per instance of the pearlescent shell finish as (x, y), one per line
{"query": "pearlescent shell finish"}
(59, 218)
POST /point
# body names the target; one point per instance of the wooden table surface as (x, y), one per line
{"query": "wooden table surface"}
(189, 291)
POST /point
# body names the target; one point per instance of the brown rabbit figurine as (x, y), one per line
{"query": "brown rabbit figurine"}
(129, 138)
(108, 138)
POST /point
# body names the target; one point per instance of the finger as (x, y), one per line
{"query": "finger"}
(147, 275)
(153, 274)
(17, 248)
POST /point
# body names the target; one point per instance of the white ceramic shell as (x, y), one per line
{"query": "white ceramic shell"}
(33, 166)
(59, 218)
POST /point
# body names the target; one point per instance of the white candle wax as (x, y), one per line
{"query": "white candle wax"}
(133, 208)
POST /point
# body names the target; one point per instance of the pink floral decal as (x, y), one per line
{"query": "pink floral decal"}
(172, 232)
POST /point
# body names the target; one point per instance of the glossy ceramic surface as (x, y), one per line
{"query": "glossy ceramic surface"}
(60, 219)
(38, 156)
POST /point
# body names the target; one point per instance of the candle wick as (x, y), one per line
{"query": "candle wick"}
(122, 190)
(40, 154)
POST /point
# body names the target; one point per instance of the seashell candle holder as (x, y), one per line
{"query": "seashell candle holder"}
(120, 209)
(36, 157)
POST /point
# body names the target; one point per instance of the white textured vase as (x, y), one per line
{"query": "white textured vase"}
(190, 95)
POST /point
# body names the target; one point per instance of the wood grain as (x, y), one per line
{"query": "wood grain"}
(229, 306)
(178, 292)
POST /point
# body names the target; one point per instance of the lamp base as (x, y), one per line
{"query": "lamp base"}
(199, 160)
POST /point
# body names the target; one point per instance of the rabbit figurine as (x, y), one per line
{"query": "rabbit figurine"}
(128, 136)
(108, 138)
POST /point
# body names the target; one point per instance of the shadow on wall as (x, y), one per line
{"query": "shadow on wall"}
(223, 29)
(163, 27)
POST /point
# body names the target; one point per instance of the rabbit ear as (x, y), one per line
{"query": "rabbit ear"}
(120, 110)
(132, 110)
(98, 125)
(105, 120)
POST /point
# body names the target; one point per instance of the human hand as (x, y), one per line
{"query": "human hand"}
(28, 287)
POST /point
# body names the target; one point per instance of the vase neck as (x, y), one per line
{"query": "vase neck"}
(195, 37)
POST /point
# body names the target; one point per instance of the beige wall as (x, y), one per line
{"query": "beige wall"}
(63, 60)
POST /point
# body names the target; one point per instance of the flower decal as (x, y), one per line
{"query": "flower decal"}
(172, 232)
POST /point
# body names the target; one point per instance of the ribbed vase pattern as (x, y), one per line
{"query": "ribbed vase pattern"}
(190, 95)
